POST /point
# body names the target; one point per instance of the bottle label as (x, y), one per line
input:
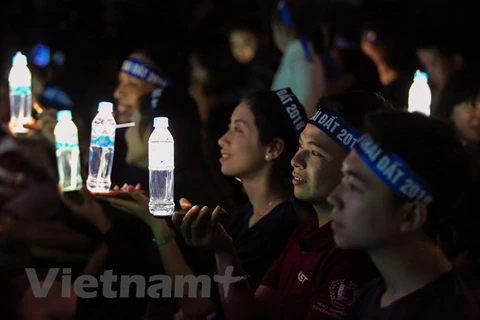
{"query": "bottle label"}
(103, 136)
(160, 156)
(20, 90)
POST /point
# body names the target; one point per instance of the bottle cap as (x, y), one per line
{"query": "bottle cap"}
(420, 75)
(160, 122)
(64, 115)
(105, 106)
(19, 59)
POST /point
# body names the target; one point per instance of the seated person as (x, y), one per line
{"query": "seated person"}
(307, 280)
(392, 184)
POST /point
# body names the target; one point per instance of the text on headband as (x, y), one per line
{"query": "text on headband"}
(335, 127)
(393, 171)
(138, 69)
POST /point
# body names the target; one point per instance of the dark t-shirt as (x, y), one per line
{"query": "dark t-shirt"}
(258, 246)
(446, 297)
(396, 91)
(314, 279)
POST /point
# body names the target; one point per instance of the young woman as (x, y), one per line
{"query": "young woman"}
(459, 104)
(401, 185)
(312, 279)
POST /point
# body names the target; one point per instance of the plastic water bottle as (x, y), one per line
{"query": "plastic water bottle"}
(20, 83)
(161, 166)
(68, 152)
(419, 95)
(102, 145)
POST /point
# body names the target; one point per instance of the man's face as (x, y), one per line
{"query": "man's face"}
(129, 91)
(316, 165)
(363, 216)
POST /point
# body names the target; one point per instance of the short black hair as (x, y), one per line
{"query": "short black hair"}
(354, 105)
(431, 149)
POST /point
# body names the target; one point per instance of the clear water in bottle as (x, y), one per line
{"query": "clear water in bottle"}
(161, 169)
(20, 86)
(68, 162)
(67, 152)
(102, 147)
(161, 192)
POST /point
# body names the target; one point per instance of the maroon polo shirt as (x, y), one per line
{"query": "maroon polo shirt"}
(314, 279)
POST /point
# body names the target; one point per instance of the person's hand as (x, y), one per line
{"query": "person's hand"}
(44, 126)
(200, 228)
(84, 205)
(138, 206)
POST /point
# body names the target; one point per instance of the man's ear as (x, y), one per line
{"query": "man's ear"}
(415, 217)
(275, 149)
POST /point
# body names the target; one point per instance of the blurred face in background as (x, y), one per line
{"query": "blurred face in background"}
(130, 89)
(438, 67)
(466, 118)
(244, 45)
(198, 81)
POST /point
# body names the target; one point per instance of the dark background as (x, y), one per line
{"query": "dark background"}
(96, 35)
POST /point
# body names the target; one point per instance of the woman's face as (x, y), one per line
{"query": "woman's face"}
(244, 45)
(242, 154)
(466, 118)
(130, 89)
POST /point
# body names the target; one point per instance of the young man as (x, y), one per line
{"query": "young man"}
(312, 279)
(402, 185)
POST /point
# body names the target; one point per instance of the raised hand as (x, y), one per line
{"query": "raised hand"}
(200, 228)
(84, 205)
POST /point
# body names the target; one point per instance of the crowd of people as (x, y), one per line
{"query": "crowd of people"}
(298, 171)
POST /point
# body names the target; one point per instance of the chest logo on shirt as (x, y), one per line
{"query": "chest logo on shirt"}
(342, 293)
(302, 277)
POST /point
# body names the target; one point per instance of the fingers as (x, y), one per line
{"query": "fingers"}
(86, 195)
(185, 204)
(188, 219)
(138, 195)
(200, 225)
(218, 213)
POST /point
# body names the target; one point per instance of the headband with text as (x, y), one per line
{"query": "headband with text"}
(138, 69)
(337, 128)
(393, 171)
(293, 109)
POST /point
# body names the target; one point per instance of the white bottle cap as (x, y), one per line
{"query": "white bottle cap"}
(19, 59)
(105, 106)
(160, 122)
(64, 115)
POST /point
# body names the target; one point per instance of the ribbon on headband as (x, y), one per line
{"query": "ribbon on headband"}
(337, 128)
(286, 18)
(294, 110)
(139, 69)
(393, 171)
